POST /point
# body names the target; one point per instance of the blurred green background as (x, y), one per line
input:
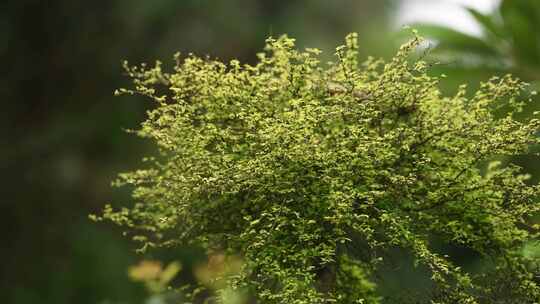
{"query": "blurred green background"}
(63, 132)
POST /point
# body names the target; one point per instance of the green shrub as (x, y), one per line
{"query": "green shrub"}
(310, 172)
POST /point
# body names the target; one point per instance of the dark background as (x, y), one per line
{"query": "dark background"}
(62, 131)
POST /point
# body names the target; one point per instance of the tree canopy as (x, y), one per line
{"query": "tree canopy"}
(311, 172)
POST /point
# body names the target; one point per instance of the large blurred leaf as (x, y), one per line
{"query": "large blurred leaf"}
(449, 39)
(488, 23)
(510, 40)
(522, 19)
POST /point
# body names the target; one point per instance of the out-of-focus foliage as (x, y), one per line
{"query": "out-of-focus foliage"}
(155, 277)
(510, 41)
(209, 279)
(312, 172)
(61, 129)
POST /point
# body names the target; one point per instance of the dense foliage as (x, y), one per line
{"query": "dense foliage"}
(312, 172)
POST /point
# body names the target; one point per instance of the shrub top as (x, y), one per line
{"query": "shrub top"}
(311, 171)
